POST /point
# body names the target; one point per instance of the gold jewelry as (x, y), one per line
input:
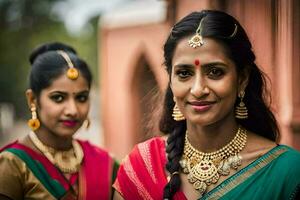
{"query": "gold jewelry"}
(241, 111)
(204, 169)
(197, 39)
(67, 161)
(34, 122)
(72, 72)
(177, 115)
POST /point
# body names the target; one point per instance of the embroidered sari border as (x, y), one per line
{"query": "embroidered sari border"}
(245, 173)
(51, 170)
(53, 186)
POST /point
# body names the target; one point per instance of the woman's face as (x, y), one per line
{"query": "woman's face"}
(204, 82)
(64, 105)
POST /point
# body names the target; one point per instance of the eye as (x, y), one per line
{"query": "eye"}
(82, 98)
(57, 98)
(215, 73)
(182, 73)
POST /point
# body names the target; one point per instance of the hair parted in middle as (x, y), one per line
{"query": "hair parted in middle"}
(215, 25)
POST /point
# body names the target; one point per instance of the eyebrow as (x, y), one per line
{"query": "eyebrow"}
(202, 65)
(65, 93)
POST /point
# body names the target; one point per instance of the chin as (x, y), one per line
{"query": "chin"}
(203, 120)
(66, 134)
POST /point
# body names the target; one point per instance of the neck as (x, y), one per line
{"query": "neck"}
(211, 137)
(50, 139)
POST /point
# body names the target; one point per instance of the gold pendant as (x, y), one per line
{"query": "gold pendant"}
(196, 41)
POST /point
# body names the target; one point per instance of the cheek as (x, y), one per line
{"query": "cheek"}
(49, 109)
(83, 108)
(180, 89)
(226, 88)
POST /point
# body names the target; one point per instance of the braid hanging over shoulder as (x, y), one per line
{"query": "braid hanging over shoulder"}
(174, 149)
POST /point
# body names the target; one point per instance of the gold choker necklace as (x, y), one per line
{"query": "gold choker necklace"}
(204, 169)
(67, 161)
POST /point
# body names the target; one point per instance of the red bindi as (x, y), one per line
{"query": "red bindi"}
(197, 62)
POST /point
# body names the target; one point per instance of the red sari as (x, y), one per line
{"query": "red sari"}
(142, 174)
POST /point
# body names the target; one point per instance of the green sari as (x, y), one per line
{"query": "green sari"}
(275, 175)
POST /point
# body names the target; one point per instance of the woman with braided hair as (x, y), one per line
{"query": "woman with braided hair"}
(221, 138)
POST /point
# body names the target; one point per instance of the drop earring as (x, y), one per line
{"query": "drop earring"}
(177, 115)
(34, 122)
(241, 111)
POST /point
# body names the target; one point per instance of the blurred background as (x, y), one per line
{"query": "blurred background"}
(122, 42)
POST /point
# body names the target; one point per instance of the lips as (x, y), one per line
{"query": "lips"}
(201, 106)
(69, 123)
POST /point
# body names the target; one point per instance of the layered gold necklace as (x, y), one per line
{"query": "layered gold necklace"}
(67, 161)
(204, 169)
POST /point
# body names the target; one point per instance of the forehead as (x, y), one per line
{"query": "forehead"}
(63, 83)
(210, 51)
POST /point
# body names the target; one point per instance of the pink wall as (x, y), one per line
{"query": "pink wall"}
(119, 56)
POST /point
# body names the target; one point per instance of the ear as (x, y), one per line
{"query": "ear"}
(243, 79)
(31, 97)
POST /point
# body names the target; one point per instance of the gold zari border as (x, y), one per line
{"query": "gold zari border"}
(240, 178)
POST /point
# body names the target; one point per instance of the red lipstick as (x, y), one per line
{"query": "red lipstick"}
(69, 123)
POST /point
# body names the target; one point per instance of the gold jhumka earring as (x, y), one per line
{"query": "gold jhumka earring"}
(177, 115)
(72, 72)
(34, 122)
(241, 111)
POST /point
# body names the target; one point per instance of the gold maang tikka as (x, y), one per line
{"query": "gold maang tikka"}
(197, 39)
(72, 72)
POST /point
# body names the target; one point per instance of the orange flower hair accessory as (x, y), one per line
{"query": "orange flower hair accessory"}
(72, 72)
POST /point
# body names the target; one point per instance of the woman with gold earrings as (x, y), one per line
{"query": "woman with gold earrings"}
(221, 137)
(49, 163)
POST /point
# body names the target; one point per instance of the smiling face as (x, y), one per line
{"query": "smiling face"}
(63, 106)
(204, 82)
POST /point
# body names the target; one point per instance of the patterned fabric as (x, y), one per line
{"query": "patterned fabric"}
(142, 174)
(30, 175)
(275, 175)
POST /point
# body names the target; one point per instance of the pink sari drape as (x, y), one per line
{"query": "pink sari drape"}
(95, 174)
(142, 174)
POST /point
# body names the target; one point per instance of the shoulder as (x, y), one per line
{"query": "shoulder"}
(155, 142)
(8, 157)
(290, 155)
(287, 159)
(12, 170)
(148, 148)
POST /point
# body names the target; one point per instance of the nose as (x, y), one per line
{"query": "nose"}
(71, 108)
(199, 87)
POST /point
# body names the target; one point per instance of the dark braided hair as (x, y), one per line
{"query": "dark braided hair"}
(217, 25)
